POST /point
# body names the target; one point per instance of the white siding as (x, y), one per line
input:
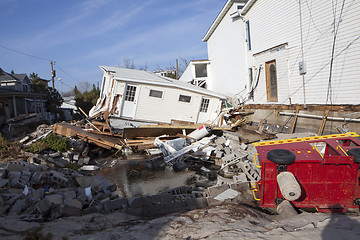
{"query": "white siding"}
(269, 29)
(226, 52)
(187, 75)
(276, 22)
(168, 107)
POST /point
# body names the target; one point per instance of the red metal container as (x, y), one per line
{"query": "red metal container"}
(327, 174)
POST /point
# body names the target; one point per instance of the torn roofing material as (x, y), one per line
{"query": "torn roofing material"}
(138, 76)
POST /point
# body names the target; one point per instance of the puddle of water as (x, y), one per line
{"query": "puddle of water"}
(139, 182)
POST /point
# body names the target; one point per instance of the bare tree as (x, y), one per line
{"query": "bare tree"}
(128, 63)
(84, 86)
(183, 63)
(143, 67)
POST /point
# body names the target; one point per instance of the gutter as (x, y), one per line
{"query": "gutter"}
(247, 7)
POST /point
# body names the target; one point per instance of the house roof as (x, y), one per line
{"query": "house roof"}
(138, 76)
(7, 77)
(4, 92)
(222, 14)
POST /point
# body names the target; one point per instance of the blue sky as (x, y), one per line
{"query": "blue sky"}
(81, 35)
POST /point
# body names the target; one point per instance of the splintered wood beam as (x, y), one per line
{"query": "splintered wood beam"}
(323, 122)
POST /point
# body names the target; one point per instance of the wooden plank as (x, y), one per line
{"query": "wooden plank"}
(323, 122)
(292, 130)
(68, 130)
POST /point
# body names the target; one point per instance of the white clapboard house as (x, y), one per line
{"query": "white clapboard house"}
(140, 96)
(285, 52)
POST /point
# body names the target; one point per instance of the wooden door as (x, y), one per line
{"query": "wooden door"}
(271, 81)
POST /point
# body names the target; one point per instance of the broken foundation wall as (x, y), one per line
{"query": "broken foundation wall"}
(273, 115)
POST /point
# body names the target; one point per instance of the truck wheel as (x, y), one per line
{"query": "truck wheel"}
(281, 156)
(356, 153)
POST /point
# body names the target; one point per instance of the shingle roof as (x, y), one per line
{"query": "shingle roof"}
(139, 76)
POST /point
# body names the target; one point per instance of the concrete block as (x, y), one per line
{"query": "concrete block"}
(135, 211)
(240, 178)
(72, 207)
(195, 203)
(160, 198)
(198, 194)
(211, 201)
(26, 175)
(86, 160)
(227, 150)
(82, 198)
(1, 201)
(37, 194)
(216, 190)
(4, 183)
(36, 177)
(58, 178)
(220, 140)
(286, 210)
(15, 166)
(115, 204)
(3, 173)
(240, 186)
(56, 212)
(14, 174)
(69, 195)
(138, 202)
(243, 146)
(18, 207)
(18, 183)
(55, 200)
(43, 206)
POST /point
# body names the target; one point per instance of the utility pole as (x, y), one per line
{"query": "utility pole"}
(177, 70)
(53, 74)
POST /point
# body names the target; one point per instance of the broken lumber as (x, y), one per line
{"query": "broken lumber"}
(104, 141)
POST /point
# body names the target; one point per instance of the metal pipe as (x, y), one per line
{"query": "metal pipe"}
(320, 117)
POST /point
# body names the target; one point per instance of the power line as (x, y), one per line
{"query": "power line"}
(66, 73)
(29, 55)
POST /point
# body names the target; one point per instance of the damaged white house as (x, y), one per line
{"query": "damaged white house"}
(284, 52)
(143, 97)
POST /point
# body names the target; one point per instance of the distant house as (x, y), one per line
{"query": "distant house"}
(143, 96)
(285, 52)
(16, 98)
(197, 74)
(165, 73)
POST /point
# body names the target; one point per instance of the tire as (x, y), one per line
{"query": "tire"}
(355, 152)
(281, 156)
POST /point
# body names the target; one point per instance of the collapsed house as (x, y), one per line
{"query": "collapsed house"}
(144, 97)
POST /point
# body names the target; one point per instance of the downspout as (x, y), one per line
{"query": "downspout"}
(302, 51)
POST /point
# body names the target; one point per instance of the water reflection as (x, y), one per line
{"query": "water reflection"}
(134, 179)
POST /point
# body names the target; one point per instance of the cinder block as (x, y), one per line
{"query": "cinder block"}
(86, 160)
(18, 183)
(43, 206)
(54, 200)
(15, 166)
(72, 207)
(4, 183)
(37, 194)
(69, 195)
(213, 202)
(36, 177)
(57, 212)
(195, 203)
(114, 204)
(18, 207)
(14, 174)
(216, 190)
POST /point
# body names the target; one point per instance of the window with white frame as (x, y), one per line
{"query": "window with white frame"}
(156, 93)
(184, 98)
(204, 105)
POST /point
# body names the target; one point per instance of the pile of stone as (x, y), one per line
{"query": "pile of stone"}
(38, 192)
(58, 159)
(237, 161)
